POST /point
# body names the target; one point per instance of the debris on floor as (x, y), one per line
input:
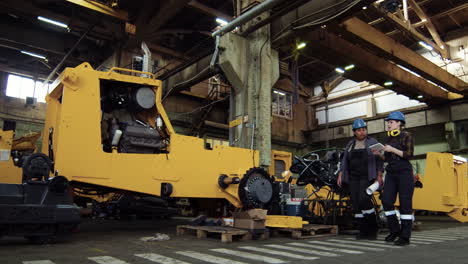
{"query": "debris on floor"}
(156, 237)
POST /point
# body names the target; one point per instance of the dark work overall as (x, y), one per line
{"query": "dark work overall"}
(399, 179)
(361, 201)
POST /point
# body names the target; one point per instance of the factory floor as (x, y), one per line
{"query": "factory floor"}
(439, 240)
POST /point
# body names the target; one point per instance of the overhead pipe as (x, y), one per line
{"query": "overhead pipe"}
(247, 16)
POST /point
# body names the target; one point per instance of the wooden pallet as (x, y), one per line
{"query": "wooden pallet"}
(308, 231)
(226, 233)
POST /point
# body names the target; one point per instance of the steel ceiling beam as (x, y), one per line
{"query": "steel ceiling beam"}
(369, 67)
(403, 55)
(445, 51)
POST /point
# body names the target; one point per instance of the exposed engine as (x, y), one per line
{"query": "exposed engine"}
(125, 121)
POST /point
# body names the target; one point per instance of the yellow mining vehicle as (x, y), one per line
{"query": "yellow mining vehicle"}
(108, 132)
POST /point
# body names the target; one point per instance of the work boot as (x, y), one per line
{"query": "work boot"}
(402, 242)
(406, 226)
(362, 234)
(394, 228)
(372, 227)
(391, 237)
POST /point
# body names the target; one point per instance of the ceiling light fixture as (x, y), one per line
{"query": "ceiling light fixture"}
(221, 21)
(301, 45)
(53, 22)
(425, 45)
(339, 70)
(33, 54)
(349, 67)
(389, 83)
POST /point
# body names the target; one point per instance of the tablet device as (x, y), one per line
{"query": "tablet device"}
(377, 147)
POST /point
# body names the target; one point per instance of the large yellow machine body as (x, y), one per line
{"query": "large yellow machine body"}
(445, 186)
(74, 117)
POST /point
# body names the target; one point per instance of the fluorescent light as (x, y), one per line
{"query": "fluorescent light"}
(425, 45)
(339, 70)
(53, 22)
(221, 21)
(301, 45)
(364, 7)
(33, 54)
(349, 67)
(390, 83)
(408, 70)
(420, 96)
(424, 20)
(278, 92)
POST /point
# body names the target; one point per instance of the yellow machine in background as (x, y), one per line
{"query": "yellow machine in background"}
(27, 143)
(445, 186)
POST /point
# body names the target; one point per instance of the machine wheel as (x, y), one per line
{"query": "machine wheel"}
(36, 167)
(255, 189)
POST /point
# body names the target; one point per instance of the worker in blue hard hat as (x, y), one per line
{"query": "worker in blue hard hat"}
(399, 179)
(359, 169)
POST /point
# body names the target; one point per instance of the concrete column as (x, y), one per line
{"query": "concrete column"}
(252, 68)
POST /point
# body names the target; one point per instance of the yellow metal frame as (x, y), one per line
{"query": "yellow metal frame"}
(74, 113)
(99, 7)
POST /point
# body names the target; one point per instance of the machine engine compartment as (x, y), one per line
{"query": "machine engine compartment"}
(130, 122)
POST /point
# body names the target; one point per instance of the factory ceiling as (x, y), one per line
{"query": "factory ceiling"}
(181, 30)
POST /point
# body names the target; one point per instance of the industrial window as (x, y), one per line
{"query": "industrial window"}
(281, 104)
(22, 87)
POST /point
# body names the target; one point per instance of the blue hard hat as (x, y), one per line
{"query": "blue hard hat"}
(396, 115)
(359, 123)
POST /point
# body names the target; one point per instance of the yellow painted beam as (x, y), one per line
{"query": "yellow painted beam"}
(99, 7)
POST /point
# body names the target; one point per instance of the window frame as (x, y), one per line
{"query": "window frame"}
(282, 98)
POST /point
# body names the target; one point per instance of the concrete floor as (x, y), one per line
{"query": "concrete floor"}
(439, 240)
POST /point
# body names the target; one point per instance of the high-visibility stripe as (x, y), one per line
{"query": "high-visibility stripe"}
(358, 216)
(406, 217)
(370, 211)
(388, 213)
